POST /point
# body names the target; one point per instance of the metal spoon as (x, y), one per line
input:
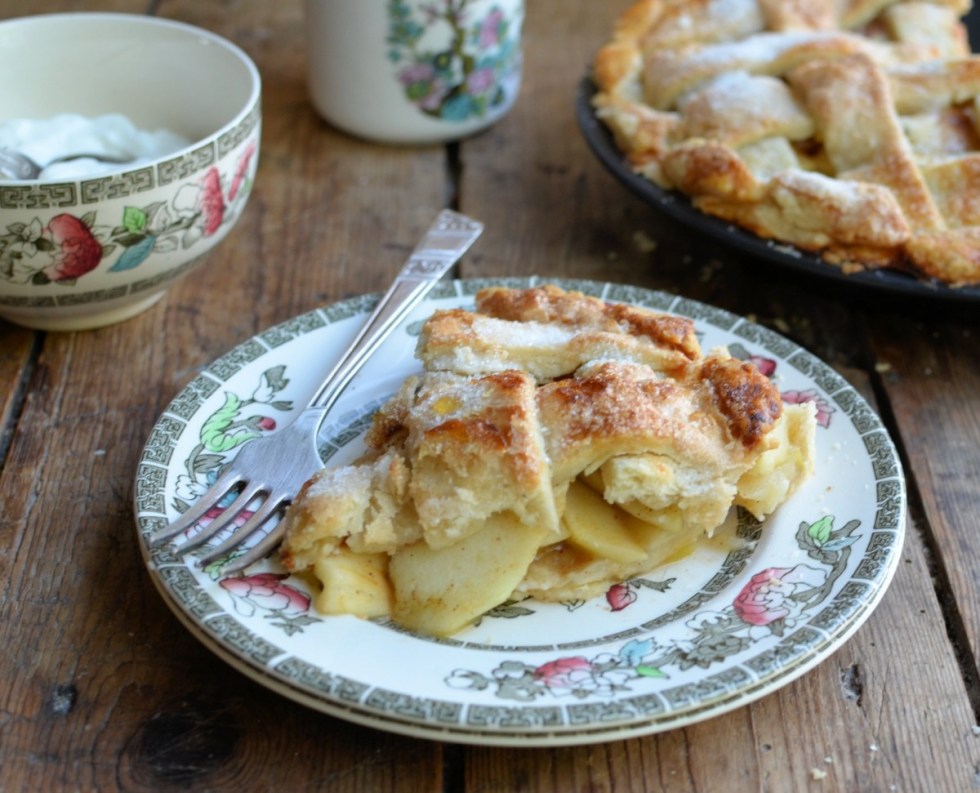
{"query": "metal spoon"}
(16, 165)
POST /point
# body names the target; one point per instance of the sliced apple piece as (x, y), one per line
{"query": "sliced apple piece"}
(661, 544)
(354, 583)
(665, 517)
(440, 591)
(669, 519)
(599, 527)
(593, 480)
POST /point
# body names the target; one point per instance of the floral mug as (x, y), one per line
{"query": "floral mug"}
(414, 71)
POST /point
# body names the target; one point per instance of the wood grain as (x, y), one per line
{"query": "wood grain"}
(929, 369)
(106, 689)
(842, 726)
(17, 346)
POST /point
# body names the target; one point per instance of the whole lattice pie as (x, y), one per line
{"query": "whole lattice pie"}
(554, 445)
(846, 127)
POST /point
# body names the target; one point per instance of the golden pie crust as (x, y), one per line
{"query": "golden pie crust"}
(538, 407)
(851, 129)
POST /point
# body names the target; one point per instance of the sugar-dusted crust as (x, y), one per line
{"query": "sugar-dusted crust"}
(548, 333)
(849, 129)
(539, 396)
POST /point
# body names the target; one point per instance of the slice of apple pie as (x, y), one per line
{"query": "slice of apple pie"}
(554, 444)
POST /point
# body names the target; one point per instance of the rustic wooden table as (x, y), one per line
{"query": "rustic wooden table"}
(103, 687)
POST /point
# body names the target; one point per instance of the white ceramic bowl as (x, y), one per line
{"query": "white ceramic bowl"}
(83, 254)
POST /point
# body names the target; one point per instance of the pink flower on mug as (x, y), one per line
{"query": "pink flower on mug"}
(77, 250)
(490, 29)
(480, 81)
(771, 595)
(824, 408)
(431, 13)
(422, 85)
(459, 77)
(265, 592)
(212, 202)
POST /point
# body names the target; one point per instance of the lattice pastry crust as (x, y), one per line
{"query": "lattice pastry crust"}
(554, 445)
(846, 127)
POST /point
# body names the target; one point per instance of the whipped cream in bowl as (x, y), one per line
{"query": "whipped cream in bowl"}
(111, 135)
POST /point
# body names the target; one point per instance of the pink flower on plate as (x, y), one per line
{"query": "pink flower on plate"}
(619, 596)
(769, 595)
(78, 252)
(212, 202)
(767, 366)
(824, 408)
(266, 592)
(571, 674)
(215, 512)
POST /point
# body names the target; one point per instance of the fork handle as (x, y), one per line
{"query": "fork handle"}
(449, 237)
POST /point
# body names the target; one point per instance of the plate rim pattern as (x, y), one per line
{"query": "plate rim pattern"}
(517, 724)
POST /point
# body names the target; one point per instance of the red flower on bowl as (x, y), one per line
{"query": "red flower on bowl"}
(77, 250)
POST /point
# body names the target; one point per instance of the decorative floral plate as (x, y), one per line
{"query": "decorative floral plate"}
(749, 611)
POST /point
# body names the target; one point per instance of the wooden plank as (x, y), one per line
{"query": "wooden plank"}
(330, 216)
(16, 357)
(862, 720)
(574, 218)
(577, 220)
(104, 688)
(929, 368)
(102, 682)
(107, 690)
(23, 8)
(16, 343)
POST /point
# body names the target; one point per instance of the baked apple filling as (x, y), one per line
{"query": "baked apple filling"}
(554, 445)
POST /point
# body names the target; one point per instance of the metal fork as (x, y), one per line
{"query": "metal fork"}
(275, 467)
